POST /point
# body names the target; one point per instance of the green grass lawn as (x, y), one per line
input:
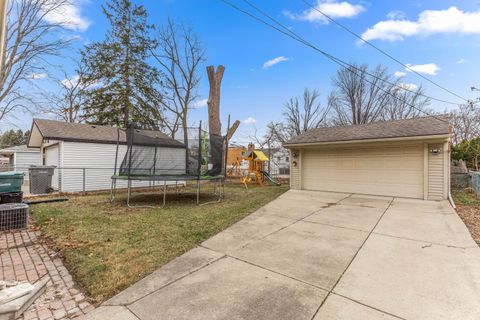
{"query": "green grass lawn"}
(465, 197)
(108, 247)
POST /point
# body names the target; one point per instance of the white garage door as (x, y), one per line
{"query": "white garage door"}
(386, 170)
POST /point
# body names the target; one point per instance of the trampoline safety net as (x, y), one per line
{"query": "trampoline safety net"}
(191, 152)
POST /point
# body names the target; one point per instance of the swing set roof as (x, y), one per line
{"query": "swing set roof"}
(258, 155)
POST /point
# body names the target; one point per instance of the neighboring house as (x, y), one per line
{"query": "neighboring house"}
(403, 158)
(279, 160)
(20, 158)
(4, 163)
(82, 150)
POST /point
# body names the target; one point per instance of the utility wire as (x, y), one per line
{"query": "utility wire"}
(380, 50)
(340, 62)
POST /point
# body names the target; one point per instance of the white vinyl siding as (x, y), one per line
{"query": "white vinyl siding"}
(436, 172)
(52, 158)
(23, 160)
(99, 161)
(387, 169)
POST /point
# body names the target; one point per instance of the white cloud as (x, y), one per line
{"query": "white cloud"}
(70, 16)
(461, 61)
(36, 76)
(274, 61)
(250, 121)
(331, 8)
(71, 82)
(200, 103)
(400, 74)
(397, 14)
(428, 68)
(448, 21)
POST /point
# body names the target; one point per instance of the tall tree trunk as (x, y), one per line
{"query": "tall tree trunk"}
(214, 125)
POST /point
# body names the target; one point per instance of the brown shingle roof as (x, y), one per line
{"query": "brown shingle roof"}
(79, 132)
(425, 126)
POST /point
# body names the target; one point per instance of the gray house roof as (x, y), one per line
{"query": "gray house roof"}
(418, 127)
(79, 132)
(21, 148)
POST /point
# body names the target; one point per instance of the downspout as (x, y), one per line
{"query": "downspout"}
(450, 199)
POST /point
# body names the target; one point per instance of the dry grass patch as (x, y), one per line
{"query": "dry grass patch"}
(107, 247)
(468, 208)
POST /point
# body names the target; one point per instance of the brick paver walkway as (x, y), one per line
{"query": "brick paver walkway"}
(25, 257)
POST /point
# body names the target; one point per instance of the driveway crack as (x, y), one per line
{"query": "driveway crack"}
(353, 258)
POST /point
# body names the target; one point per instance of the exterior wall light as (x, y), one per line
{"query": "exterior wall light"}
(435, 150)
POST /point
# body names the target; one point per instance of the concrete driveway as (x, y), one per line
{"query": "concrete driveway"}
(318, 255)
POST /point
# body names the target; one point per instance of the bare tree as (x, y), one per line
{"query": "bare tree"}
(405, 102)
(30, 38)
(180, 55)
(363, 96)
(279, 132)
(465, 122)
(359, 97)
(304, 113)
(67, 100)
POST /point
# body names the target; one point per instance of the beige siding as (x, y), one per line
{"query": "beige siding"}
(380, 169)
(436, 172)
(295, 176)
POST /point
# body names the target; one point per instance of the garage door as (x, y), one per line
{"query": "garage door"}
(380, 170)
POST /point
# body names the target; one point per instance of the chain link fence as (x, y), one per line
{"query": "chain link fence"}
(75, 179)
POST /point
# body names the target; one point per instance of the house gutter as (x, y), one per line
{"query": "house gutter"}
(312, 144)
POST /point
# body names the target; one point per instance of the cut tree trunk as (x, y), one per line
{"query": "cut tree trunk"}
(215, 80)
(214, 125)
(232, 130)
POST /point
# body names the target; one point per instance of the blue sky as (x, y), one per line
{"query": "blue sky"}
(439, 38)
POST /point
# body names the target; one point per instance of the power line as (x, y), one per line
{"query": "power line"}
(380, 50)
(342, 63)
(331, 57)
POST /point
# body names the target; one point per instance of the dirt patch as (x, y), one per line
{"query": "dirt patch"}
(471, 217)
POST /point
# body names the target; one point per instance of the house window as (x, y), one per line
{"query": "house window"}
(287, 158)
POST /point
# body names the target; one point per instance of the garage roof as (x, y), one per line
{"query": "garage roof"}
(418, 127)
(79, 132)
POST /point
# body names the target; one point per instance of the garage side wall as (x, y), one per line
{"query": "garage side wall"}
(437, 171)
(295, 173)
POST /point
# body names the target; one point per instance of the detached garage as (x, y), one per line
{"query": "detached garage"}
(403, 158)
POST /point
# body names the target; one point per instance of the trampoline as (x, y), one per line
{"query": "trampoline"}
(152, 156)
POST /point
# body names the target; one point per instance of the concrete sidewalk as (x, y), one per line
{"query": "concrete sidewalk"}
(317, 255)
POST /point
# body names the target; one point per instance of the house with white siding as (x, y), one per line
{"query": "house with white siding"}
(84, 154)
(20, 158)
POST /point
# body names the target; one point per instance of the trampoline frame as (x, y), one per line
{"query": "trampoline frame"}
(198, 178)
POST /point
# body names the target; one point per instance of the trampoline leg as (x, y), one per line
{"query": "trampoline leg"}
(198, 192)
(164, 192)
(220, 196)
(112, 190)
(129, 191)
